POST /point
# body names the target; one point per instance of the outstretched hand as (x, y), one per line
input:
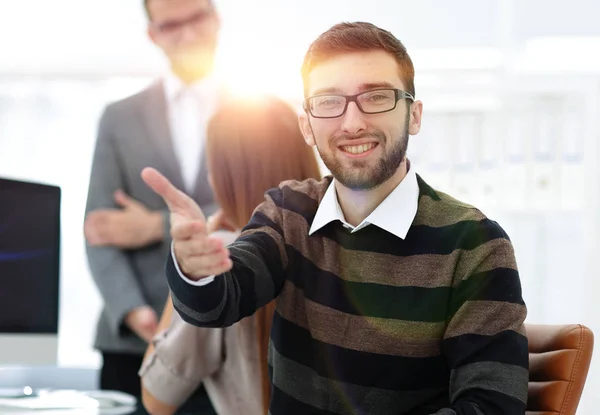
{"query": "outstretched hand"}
(198, 254)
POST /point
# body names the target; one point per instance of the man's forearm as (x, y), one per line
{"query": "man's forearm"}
(199, 305)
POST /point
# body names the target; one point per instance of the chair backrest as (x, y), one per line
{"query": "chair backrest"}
(52, 377)
(559, 360)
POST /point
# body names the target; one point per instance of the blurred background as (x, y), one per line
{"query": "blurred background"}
(511, 93)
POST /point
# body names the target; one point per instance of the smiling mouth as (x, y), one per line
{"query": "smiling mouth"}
(358, 149)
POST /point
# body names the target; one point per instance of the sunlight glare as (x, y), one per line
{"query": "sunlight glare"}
(250, 74)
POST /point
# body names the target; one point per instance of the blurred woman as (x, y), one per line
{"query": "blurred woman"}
(251, 147)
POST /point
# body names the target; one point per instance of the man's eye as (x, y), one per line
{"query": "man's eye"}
(378, 97)
(168, 27)
(329, 102)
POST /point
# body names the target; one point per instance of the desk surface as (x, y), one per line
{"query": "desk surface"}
(121, 411)
(26, 401)
(135, 411)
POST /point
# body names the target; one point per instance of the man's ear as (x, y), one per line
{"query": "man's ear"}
(151, 34)
(306, 128)
(416, 114)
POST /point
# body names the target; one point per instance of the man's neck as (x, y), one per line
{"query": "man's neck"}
(359, 204)
(190, 74)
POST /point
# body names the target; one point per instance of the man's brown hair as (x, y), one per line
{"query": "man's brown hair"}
(358, 37)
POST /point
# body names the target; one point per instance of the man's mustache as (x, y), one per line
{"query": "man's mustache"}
(377, 135)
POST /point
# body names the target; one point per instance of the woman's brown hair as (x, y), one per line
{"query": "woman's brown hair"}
(251, 147)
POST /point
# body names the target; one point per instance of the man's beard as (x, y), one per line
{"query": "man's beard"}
(363, 175)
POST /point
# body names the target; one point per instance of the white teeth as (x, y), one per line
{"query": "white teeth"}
(358, 149)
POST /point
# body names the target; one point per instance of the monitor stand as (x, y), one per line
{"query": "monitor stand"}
(28, 349)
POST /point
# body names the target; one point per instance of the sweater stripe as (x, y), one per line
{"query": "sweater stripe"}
(375, 335)
(306, 385)
(367, 369)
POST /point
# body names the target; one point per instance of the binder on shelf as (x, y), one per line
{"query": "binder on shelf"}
(515, 191)
(544, 175)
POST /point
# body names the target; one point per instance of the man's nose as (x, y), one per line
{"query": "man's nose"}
(187, 33)
(353, 121)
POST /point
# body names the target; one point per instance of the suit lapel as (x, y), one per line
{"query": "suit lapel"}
(155, 114)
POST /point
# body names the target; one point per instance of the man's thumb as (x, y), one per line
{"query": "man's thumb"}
(123, 200)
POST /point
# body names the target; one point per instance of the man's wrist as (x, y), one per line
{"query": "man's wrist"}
(198, 282)
(157, 226)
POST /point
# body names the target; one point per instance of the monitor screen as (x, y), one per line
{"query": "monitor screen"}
(29, 257)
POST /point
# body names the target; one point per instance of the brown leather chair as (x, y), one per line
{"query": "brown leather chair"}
(559, 360)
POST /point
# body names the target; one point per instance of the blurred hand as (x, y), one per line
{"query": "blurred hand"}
(198, 254)
(219, 222)
(143, 321)
(132, 226)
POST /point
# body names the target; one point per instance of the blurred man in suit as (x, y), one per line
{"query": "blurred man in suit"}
(127, 227)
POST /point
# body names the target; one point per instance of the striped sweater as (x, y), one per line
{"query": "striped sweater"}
(368, 323)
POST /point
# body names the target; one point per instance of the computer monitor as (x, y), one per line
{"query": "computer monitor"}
(29, 272)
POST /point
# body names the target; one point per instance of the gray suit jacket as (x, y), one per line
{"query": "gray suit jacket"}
(134, 133)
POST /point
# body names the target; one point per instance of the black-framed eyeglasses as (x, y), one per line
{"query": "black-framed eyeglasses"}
(369, 102)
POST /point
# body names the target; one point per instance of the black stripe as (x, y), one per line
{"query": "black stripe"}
(300, 203)
(420, 239)
(499, 284)
(433, 405)
(294, 201)
(367, 299)
(360, 368)
(258, 271)
(260, 220)
(507, 347)
(426, 190)
(488, 402)
(283, 404)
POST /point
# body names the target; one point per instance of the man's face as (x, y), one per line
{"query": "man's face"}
(186, 30)
(362, 151)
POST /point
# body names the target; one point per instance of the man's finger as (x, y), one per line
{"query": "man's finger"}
(164, 188)
(93, 228)
(122, 199)
(96, 217)
(176, 200)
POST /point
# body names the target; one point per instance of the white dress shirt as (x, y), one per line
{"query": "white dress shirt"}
(189, 109)
(394, 214)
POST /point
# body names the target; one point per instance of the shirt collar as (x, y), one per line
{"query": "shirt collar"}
(395, 214)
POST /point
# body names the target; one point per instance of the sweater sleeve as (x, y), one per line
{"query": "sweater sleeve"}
(485, 343)
(259, 260)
